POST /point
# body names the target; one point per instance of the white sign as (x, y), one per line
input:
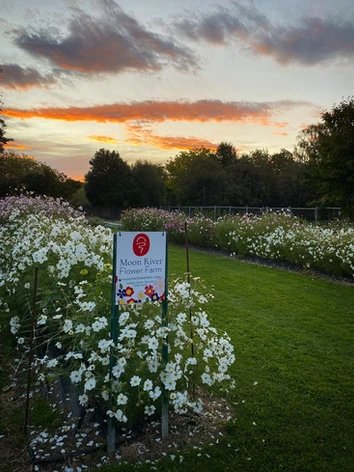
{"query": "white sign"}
(140, 267)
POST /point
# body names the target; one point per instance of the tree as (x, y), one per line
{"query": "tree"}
(226, 154)
(328, 151)
(23, 173)
(150, 187)
(197, 178)
(109, 182)
(3, 140)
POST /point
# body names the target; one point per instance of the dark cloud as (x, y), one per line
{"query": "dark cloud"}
(309, 41)
(16, 77)
(113, 42)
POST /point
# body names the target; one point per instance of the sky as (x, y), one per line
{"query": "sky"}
(151, 78)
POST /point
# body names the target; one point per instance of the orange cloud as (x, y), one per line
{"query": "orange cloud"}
(17, 146)
(281, 134)
(282, 124)
(103, 139)
(141, 133)
(172, 142)
(159, 111)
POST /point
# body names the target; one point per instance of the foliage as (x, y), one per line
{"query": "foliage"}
(22, 173)
(201, 177)
(328, 149)
(196, 177)
(272, 235)
(150, 188)
(3, 139)
(109, 181)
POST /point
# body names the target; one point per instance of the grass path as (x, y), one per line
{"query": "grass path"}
(294, 335)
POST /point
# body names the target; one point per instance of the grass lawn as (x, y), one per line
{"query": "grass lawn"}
(294, 372)
(294, 336)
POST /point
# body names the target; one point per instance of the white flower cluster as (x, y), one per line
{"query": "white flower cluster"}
(275, 235)
(73, 320)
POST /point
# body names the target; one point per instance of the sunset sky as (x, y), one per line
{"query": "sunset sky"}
(152, 77)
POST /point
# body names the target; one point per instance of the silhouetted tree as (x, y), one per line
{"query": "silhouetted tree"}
(328, 151)
(109, 182)
(150, 187)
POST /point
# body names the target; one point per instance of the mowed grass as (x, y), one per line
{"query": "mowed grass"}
(294, 336)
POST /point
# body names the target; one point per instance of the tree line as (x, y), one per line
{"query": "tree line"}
(319, 172)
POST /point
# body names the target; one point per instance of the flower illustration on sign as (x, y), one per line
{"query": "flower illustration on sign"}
(141, 244)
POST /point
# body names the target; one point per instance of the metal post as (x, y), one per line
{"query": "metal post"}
(111, 432)
(164, 415)
(214, 212)
(30, 353)
(316, 216)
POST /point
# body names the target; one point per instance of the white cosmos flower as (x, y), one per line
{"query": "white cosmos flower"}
(75, 376)
(90, 383)
(147, 385)
(83, 399)
(122, 399)
(150, 410)
(135, 381)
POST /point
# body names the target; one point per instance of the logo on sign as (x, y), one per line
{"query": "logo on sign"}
(141, 244)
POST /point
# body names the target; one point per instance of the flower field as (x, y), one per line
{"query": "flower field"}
(278, 236)
(72, 334)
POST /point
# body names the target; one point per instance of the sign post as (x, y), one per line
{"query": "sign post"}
(139, 276)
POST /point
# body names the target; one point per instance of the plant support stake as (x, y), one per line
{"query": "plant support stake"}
(30, 353)
(111, 432)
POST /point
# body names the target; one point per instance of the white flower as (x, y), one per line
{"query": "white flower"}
(75, 376)
(97, 326)
(52, 363)
(90, 383)
(124, 317)
(150, 410)
(149, 324)
(21, 340)
(206, 379)
(153, 343)
(68, 324)
(135, 381)
(147, 385)
(80, 328)
(122, 399)
(83, 399)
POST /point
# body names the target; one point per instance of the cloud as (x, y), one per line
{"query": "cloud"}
(16, 77)
(159, 111)
(281, 134)
(114, 42)
(104, 139)
(143, 135)
(17, 146)
(309, 41)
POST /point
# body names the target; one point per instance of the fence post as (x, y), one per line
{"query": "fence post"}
(214, 213)
(189, 211)
(230, 210)
(316, 216)
(246, 209)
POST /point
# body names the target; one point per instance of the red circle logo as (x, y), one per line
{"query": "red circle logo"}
(141, 244)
